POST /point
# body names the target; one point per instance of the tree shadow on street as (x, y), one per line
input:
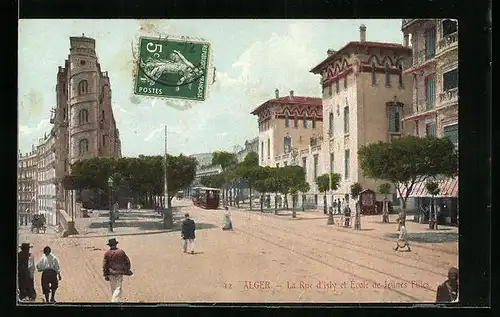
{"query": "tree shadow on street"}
(428, 237)
(146, 225)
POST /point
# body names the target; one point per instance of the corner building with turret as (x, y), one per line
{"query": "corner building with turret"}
(83, 118)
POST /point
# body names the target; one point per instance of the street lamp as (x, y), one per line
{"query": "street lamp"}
(110, 187)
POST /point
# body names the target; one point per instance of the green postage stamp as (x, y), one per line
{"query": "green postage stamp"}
(172, 68)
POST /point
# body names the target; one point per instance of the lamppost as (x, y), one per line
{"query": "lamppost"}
(110, 192)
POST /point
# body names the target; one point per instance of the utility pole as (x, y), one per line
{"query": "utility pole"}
(167, 215)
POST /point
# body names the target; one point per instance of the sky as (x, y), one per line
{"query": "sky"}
(252, 58)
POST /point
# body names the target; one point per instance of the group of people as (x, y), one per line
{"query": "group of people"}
(48, 265)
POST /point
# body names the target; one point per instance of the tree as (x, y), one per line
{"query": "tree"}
(262, 174)
(433, 189)
(385, 189)
(356, 189)
(406, 161)
(226, 160)
(248, 171)
(298, 187)
(181, 171)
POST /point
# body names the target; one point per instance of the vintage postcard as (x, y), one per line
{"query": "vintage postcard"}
(238, 161)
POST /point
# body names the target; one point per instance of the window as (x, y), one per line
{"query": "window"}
(449, 27)
(417, 127)
(287, 120)
(346, 164)
(103, 140)
(314, 122)
(64, 89)
(287, 144)
(331, 162)
(345, 81)
(83, 116)
(83, 146)
(337, 88)
(268, 148)
(330, 124)
(262, 151)
(394, 119)
(430, 129)
(296, 121)
(304, 163)
(374, 74)
(430, 91)
(330, 90)
(64, 113)
(387, 75)
(82, 87)
(102, 118)
(346, 120)
(400, 75)
(313, 141)
(430, 43)
(315, 157)
(82, 62)
(450, 79)
(451, 132)
(305, 122)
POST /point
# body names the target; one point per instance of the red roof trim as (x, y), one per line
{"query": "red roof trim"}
(305, 101)
(318, 67)
(414, 69)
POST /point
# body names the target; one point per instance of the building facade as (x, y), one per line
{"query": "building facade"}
(365, 95)
(27, 186)
(46, 179)
(250, 146)
(286, 126)
(434, 71)
(84, 124)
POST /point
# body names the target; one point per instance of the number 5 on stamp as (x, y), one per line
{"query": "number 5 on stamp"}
(172, 68)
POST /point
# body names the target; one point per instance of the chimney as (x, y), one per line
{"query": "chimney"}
(277, 92)
(291, 94)
(330, 52)
(407, 40)
(362, 33)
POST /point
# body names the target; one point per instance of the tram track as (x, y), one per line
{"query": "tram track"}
(342, 244)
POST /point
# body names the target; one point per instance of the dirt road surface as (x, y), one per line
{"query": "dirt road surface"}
(266, 258)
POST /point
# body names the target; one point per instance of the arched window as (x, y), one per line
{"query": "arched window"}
(330, 124)
(387, 74)
(83, 146)
(374, 74)
(313, 124)
(287, 140)
(296, 121)
(448, 27)
(82, 87)
(305, 121)
(287, 119)
(83, 116)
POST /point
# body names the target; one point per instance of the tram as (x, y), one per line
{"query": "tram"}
(206, 197)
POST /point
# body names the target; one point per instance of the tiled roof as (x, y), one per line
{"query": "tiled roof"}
(306, 101)
(318, 67)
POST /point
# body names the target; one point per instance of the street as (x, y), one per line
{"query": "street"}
(266, 258)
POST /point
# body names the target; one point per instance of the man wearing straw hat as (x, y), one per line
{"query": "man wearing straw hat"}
(26, 273)
(116, 264)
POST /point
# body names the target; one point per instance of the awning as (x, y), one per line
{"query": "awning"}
(447, 188)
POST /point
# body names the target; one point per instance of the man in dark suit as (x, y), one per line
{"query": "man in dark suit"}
(187, 234)
(448, 291)
(26, 273)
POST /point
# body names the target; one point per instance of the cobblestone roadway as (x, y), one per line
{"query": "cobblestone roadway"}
(262, 247)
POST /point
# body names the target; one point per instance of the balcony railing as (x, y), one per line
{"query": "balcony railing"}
(421, 57)
(449, 41)
(316, 148)
(448, 96)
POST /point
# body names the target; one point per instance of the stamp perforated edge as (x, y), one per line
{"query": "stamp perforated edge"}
(210, 70)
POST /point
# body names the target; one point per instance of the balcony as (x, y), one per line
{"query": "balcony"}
(316, 148)
(448, 42)
(448, 97)
(421, 57)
